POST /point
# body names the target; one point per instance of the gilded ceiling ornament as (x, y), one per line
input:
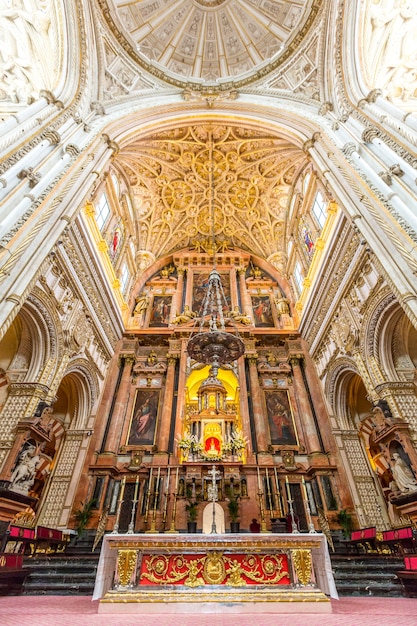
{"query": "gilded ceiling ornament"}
(252, 176)
(204, 42)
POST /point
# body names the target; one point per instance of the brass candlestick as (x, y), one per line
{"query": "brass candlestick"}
(172, 530)
(119, 507)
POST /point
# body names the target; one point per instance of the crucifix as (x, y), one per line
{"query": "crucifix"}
(212, 494)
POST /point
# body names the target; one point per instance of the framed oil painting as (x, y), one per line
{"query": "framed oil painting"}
(262, 312)
(280, 418)
(161, 307)
(144, 416)
(200, 284)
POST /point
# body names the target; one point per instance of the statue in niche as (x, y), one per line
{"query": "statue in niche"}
(379, 419)
(141, 304)
(152, 358)
(237, 316)
(282, 306)
(403, 475)
(185, 316)
(167, 271)
(23, 476)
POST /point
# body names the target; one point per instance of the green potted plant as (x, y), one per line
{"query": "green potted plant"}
(82, 516)
(191, 508)
(233, 506)
(346, 521)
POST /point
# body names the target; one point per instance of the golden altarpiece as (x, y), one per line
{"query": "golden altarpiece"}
(167, 418)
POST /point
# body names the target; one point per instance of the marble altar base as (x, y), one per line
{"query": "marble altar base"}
(265, 573)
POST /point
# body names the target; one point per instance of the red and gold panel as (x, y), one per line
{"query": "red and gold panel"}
(215, 568)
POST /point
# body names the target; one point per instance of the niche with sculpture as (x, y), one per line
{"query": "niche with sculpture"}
(212, 427)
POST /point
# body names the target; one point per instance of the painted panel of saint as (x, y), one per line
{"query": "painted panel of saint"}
(200, 284)
(160, 311)
(280, 419)
(262, 313)
(143, 424)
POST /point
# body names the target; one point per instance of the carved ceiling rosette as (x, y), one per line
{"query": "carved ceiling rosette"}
(252, 175)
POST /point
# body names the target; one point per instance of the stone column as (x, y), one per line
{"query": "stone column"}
(262, 435)
(307, 419)
(166, 412)
(176, 307)
(246, 301)
(117, 419)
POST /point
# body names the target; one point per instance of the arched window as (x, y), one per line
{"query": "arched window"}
(116, 184)
(102, 211)
(306, 182)
(298, 276)
(319, 209)
(124, 278)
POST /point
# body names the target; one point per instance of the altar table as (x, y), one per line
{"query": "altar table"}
(189, 572)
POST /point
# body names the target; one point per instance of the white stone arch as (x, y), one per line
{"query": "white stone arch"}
(343, 391)
(352, 408)
(76, 395)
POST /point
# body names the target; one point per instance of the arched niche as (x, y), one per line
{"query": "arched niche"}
(73, 401)
(347, 395)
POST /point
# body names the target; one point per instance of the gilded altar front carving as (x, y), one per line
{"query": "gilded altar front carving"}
(215, 568)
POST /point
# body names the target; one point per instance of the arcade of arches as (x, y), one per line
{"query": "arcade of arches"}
(143, 144)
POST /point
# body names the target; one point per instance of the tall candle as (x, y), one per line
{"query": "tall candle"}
(304, 488)
(157, 478)
(276, 480)
(288, 488)
(259, 480)
(122, 489)
(135, 497)
(150, 481)
(176, 481)
(168, 475)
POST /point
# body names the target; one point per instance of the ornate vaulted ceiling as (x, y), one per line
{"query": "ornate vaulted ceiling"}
(190, 181)
(210, 42)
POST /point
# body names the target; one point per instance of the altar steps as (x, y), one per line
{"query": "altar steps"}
(367, 575)
(61, 575)
(73, 573)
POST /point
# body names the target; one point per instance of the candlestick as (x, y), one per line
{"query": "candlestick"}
(135, 497)
(148, 495)
(131, 527)
(164, 514)
(119, 506)
(311, 528)
(174, 505)
(259, 479)
(304, 488)
(278, 493)
(168, 477)
(287, 484)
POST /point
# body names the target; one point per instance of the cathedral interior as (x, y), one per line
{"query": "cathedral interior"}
(208, 257)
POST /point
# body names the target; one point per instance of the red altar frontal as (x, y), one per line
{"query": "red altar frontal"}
(151, 573)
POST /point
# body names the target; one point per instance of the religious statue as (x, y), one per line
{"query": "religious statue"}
(402, 474)
(167, 271)
(152, 358)
(185, 316)
(282, 306)
(237, 316)
(23, 475)
(141, 304)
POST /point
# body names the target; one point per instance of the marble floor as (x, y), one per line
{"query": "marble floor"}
(81, 611)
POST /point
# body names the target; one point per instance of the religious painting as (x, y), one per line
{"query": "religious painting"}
(143, 424)
(200, 284)
(280, 418)
(262, 312)
(161, 307)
